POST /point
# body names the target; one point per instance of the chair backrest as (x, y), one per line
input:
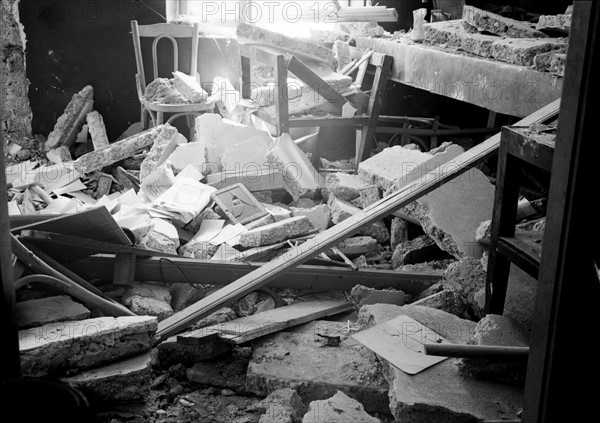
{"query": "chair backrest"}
(163, 31)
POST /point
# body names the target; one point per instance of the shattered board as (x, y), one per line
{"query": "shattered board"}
(400, 341)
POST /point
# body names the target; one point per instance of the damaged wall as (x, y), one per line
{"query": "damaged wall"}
(71, 44)
(16, 113)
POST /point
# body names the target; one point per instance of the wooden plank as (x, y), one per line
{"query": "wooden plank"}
(184, 270)
(566, 307)
(522, 251)
(248, 328)
(400, 341)
(94, 224)
(313, 247)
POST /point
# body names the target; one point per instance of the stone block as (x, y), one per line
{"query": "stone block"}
(189, 87)
(478, 44)
(339, 407)
(125, 380)
(483, 234)
(444, 32)
(297, 360)
(342, 210)
(199, 249)
(487, 21)
(398, 232)
(276, 232)
(282, 406)
(352, 188)
(161, 148)
(59, 347)
(162, 237)
(441, 392)
(447, 300)
(554, 22)
(40, 312)
(319, 216)
(359, 245)
(149, 300)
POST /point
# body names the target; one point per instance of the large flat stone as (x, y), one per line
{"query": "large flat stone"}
(149, 300)
(58, 347)
(485, 20)
(40, 312)
(125, 380)
(440, 393)
(342, 210)
(554, 22)
(339, 407)
(349, 187)
(522, 51)
(298, 360)
(319, 216)
(276, 232)
(70, 122)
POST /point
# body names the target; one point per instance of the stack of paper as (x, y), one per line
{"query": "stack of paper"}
(183, 201)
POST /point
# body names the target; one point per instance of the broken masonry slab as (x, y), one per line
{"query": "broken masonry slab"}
(295, 45)
(359, 245)
(362, 295)
(296, 360)
(487, 21)
(282, 406)
(42, 311)
(398, 232)
(162, 236)
(171, 352)
(246, 155)
(276, 232)
(418, 250)
(478, 44)
(441, 393)
(339, 407)
(447, 300)
(97, 130)
(149, 300)
(202, 250)
(228, 373)
(300, 177)
(60, 347)
(319, 216)
(126, 380)
(261, 221)
(342, 210)
(161, 149)
(522, 51)
(449, 32)
(121, 150)
(346, 186)
(392, 164)
(554, 22)
(69, 124)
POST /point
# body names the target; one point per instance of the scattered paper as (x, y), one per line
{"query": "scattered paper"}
(225, 253)
(158, 182)
(184, 200)
(13, 208)
(84, 198)
(208, 230)
(72, 187)
(230, 234)
(190, 171)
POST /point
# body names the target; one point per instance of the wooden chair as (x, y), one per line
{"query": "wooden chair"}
(368, 106)
(171, 32)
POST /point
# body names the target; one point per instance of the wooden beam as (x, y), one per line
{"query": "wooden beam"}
(313, 247)
(184, 270)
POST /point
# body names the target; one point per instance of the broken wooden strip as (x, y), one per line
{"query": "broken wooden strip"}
(95, 224)
(121, 150)
(350, 226)
(184, 270)
(69, 124)
(248, 328)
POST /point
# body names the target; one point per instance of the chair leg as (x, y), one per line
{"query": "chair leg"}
(191, 119)
(160, 117)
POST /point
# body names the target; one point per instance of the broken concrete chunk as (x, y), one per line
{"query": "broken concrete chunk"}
(189, 87)
(206, 214)
(554, 22)
(249, 154)
(125, 380)
(276, 232)
(58, 347)
(121, 150)
(345, 186)
(465, 277)
(362, 295)
(342, 210)
(69, 124)
(341, 408)
(40, 312)
(298, 46)
(215, 135)
(522, 51)
(278, 213)
(282, 406)
(294, 360)
(478, 44)
(171, 352)
(149, 300)
(201, 250)
(441, 393)
(162, 147)
(393, 164)
(549, 61)
(398, 232)
(368, 196)
(445, 32)
(447, 300)
(452, 213)
(59, 155)
(262, 221)
(483, 234)
(485, 20)
(418, 250)
(97, 130)
(319, 216)
(162, 236)
(301, 179)
(359, 245)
